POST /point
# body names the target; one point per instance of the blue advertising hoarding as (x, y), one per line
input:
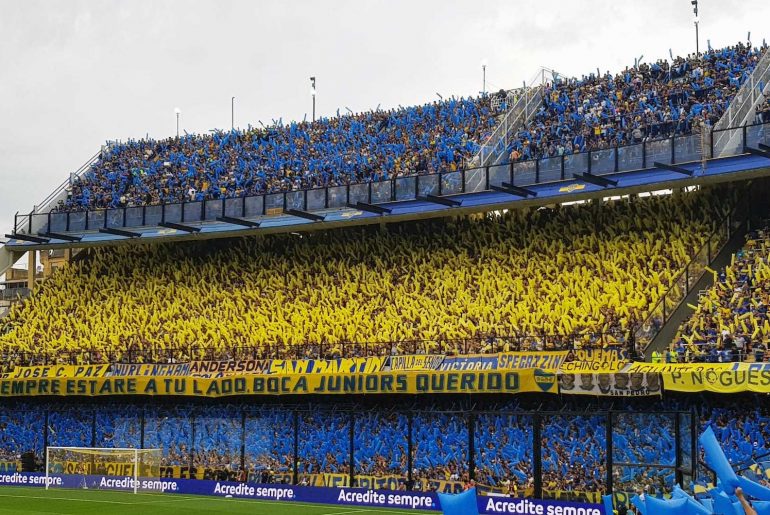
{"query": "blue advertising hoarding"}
(392, 499)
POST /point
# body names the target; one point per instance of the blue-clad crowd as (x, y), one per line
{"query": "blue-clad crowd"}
(597, 111)
(648, 102)
(367, 147)
(574, 447)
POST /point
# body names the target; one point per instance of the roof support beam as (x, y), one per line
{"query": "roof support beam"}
(238, 221)
(595, 179)
(525, 191)
(120, 232)
(180, 227)
(304, 214)
(673, 168)
(59, 236)
(27, 237)
(371, 208)
(444, 201)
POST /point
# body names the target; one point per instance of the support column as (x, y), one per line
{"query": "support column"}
(610, 451)
(31, 269)
(295, 468)
(537, 455)
(471, 446)
(409, 450)
(352, 450)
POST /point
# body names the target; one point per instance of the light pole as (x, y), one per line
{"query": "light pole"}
(232, 113)
(312, 94)
(484, 76)
(178, 112)
(696, 21)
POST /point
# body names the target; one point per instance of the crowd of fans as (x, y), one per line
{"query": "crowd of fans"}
(381, 447)
(504, 451)
(744, 434)
(730, 322)
(574, 454)
(574, 447)
(440, 443)
(598, 111)
(324, 443)
(367, 147)
(574, 271)
(648, 102)
(269, 444)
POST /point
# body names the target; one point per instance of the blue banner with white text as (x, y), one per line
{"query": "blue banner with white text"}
(391, 499)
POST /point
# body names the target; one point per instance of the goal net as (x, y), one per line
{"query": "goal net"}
(102, 468)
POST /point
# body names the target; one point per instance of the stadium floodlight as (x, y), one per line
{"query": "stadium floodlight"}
(484, 75)
(232, 113)
(696, 21)
(177, 111)
(312, 94)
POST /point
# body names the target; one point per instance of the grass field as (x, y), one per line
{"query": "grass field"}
(20, 500)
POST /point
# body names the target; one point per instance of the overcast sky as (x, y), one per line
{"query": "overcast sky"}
(75, 73)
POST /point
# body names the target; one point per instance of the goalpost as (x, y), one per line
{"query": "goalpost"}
(115, 468)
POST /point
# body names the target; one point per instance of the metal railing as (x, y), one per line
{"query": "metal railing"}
(12, 294)
(669, 150)
(751, 92)
(173, 354)
(685, 281)
(495, 146)
(59, 193)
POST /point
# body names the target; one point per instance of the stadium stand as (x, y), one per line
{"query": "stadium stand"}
(730, 322)
(268, 446)
(202, 442)
(504, 456)
(324, 443)
(651, 101)
(367, 147)
(381, 443)
(21, 431)
(554, 278)
(574, 453)
(441, 447)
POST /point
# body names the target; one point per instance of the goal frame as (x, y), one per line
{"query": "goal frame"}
(135, 450)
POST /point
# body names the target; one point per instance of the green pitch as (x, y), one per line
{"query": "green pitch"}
(21, 501)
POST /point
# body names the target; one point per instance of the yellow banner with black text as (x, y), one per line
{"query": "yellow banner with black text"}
(404, 382)
(717, 377)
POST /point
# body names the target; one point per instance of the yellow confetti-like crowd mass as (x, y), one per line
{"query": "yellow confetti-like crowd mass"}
(735, 303)
(570, 270)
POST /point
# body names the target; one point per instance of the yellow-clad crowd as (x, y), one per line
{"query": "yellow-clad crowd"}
(592, 268)
(731, 319)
